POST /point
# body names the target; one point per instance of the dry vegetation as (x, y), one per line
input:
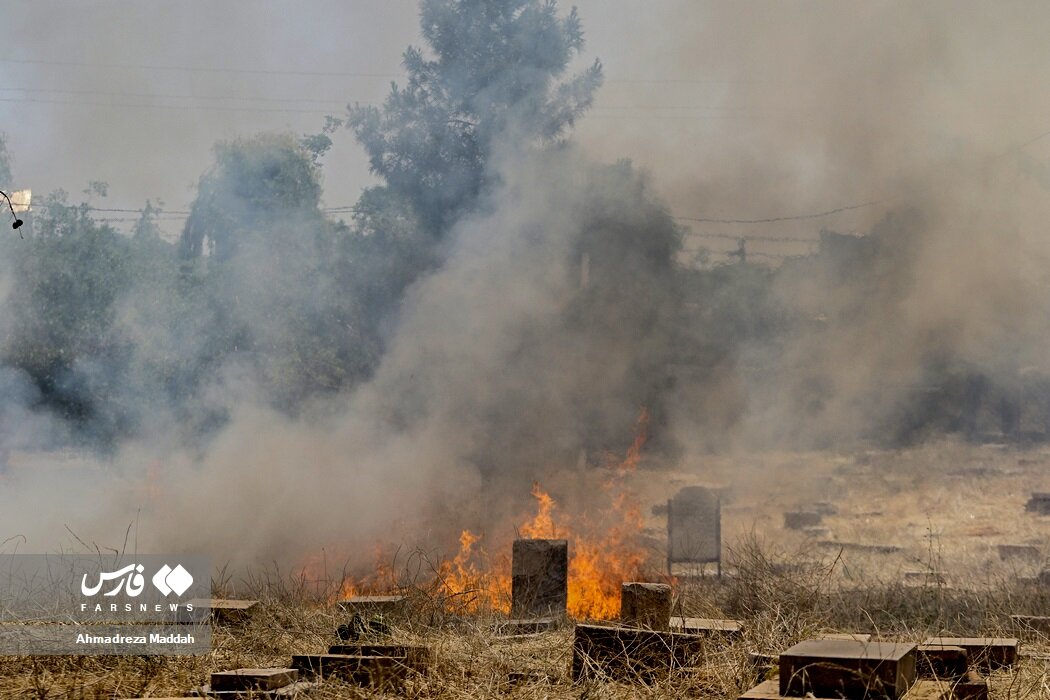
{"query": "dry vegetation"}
(947, 518)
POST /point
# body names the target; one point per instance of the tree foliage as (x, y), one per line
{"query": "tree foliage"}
(492, 73)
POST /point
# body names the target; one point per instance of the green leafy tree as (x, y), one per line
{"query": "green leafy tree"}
(67, 278)
(493, 73)
(258, 259)
(255, 182)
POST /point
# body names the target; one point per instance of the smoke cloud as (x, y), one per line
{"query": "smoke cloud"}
(550, 312)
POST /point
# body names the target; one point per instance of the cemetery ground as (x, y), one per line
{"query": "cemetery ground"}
(905, 545)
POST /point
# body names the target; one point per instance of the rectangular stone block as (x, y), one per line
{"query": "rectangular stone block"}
(1039, 503)
(971, 687)
(414, 657)
(796, 520)
(694, 526)
(225, 611)
(847, 668)
(631, 654)
(297, 689)
(730, 629)
(374, 671)
(936, 661)
(1025, 552)
(848, 636)
(646, 605)
(983, 653)
(539, 578)
(253, 678)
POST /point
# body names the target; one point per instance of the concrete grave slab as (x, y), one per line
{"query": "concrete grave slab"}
(253, 678)
(629, 654)
(226, 611)
(983, 653)
(847, 668)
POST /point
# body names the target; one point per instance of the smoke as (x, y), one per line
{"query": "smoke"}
(551, 312)
(504, 365)
(924, 110)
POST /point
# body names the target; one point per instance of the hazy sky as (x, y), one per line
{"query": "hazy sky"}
(738, 109)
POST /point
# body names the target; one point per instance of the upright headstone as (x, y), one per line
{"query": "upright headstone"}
(539, 578)
(646, 605)
(694, 527)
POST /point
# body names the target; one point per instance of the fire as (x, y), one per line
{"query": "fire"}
(542, 526)
(605, 551)
(598, 563)
(604, 548)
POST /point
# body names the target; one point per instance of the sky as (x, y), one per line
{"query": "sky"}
(736, 109)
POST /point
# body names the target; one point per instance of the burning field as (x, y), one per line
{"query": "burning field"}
(505, 348)
(901, 554)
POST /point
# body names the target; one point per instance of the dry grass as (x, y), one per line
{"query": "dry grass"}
(780, 604)
(945, 506)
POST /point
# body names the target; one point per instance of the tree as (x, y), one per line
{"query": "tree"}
(266, 295)
(493, 75)
(256, 181)
(67, 279)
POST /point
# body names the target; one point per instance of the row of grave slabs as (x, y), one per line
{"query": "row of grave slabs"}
(647, 645)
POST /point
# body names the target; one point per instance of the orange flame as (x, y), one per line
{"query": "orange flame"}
(542, 526)
(605, 551)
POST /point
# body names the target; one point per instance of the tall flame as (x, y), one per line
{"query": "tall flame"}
(605, 550)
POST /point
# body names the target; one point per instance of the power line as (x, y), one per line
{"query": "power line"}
(336, 74)
(166, 107)
(773, 219)
(651, 113)
(161, 96)
(737, 237)
(204, 69)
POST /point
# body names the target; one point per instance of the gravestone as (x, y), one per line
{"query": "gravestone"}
(377, 671)
(630, 654)
(1039, 503)
(728, 629)
(539, 578)
(1026, 552)
(645, 605)
(694, 528)
(798, 519)
(847, 668)
(253, 679)
(225, 611)
(984, 653)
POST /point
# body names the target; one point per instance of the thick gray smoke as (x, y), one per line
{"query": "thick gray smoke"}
(503, 367)
(929, 111)
(548, 313)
